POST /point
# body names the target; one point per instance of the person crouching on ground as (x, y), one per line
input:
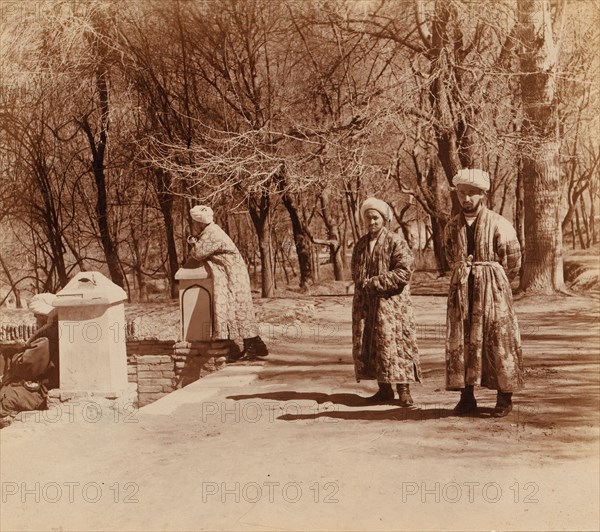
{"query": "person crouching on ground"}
(483, 344)
(234, 317)
(30, 373)
(384, 340)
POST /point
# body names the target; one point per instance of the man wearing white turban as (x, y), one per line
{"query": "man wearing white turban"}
(234, 317)
(483, 344)
(202, 214)
(379, 205)
(384, 340)
(473, 177)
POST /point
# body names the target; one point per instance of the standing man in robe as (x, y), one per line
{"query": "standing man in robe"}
(483, 344)
(384, 338)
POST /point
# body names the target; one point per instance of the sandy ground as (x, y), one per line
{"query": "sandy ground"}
(288, 444)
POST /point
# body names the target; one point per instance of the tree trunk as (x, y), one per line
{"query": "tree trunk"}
(578, 225)
(301, 235)
(543, 268)
(259, 211)
(437, 234)
(266, 271)
(452, 153)
(336, 250)
(520, 212)
(592, 216)
(49, 218)
(165, 201)
(586, 224)
(353, 217)
(98, 153)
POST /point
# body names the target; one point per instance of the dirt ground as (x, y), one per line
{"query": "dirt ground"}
(288, 443)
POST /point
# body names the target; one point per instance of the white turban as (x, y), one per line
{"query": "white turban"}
(379, 205)
(202, 214)
(474, 177)
(42, 304)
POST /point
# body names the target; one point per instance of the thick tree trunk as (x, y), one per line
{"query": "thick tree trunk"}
(543, 264)
(543, 267)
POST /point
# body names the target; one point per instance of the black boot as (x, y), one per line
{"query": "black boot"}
(467, 404)
(503, 404)
(235, 354)
(384, 395)
(404, 394)
(255, 347)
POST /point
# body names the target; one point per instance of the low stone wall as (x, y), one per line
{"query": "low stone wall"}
(159, 367)
(156, 367)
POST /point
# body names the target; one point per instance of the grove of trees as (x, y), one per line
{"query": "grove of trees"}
(116, 116)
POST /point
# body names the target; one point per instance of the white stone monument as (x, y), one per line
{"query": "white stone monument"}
(92, 329)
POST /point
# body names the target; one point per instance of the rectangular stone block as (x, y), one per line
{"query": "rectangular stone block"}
(155, 359)
(155, 367)
(150, 382)
(149, 388)
(148, 374)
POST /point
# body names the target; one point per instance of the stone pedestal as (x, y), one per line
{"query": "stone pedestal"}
(92, 348)
(195, 302)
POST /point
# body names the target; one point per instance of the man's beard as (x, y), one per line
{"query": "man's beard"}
(471, 209)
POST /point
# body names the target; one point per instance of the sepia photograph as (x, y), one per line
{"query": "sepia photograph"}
(299, 265)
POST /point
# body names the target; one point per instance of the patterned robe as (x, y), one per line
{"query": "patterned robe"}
(384, 339)
(234, 317)
(483, 344)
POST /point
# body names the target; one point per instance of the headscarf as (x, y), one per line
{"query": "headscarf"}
(202, 213)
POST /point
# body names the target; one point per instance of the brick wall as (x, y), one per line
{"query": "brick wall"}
(159, 367)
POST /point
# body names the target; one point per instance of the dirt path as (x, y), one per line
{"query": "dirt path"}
(289, 445)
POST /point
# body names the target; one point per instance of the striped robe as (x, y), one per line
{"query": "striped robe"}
(483, 344)
(384, 340)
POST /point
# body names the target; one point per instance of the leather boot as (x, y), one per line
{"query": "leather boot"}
(234, 354)
(384, 394)
(467, 404)
(404, 394)
(503, 404)
(255, 347)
